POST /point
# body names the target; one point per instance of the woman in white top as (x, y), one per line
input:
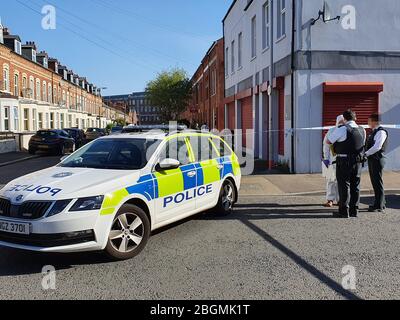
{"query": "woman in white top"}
(329, 168)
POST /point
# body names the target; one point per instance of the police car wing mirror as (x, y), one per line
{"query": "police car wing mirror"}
(168, 164)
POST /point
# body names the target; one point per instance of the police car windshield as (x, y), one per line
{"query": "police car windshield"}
(116, 154)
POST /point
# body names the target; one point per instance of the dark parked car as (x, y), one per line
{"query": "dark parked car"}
(78, 135)
(52, 141)
(94, 133)
(116, 130)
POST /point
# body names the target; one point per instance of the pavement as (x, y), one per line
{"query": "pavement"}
(302, 184)
(15, 157)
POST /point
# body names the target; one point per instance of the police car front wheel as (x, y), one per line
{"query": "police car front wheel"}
(129, 233)
(227, 198)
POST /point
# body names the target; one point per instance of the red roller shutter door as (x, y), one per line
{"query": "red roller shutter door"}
(363, 103)
(231, 116)
(281, 122)
(247, 117)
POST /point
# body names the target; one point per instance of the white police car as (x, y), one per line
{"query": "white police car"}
(110, 194)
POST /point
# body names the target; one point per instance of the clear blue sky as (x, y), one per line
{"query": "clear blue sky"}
(121, 44)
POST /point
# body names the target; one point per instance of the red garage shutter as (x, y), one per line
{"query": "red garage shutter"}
(281, 122)
(231, 116)
(364, 104)
(363, 98)
(247, 117)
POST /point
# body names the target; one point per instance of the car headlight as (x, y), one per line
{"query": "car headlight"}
(87, 204)
(58, 207)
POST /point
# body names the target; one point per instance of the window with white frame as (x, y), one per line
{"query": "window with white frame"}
(31, 87)
(6, 78)
(40, 120)
(34, 119)
(49, 94)
(18, 47)
(6, 119)
(47, 121)
(226, 61)
(70, 120)
(52, 120)
(16, 84)
(16, 119)
(26, 119)
(213, 82)
(24, 85)
(254, 37)
(233, 56)
(266, 25)
(281, 20)
(62, 121)
(240, 50)
(44, 91)
(37, 89)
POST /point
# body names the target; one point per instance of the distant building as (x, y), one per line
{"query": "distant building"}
(139, 105)
(37, 92)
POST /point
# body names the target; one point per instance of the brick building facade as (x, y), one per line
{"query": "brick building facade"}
(37, 92)
(207, 104)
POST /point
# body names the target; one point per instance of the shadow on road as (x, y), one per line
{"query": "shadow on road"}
(18, 262)
(392, 201)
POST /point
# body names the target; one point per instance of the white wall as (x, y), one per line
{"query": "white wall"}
(310, 105)
(240, 21)
(377, 26)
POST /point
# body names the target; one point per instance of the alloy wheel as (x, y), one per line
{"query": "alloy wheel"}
(227, 197)
(127, 232)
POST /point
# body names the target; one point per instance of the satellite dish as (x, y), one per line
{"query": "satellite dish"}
(327, 12)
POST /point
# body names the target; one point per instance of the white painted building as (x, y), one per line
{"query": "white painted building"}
(353, 62)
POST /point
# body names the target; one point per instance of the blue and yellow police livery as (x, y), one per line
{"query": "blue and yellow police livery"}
(110, 194)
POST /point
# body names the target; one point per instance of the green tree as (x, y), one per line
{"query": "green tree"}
(170, 92)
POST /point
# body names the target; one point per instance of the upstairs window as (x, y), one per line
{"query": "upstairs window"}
(240, 50)
(6, 78)
(16, 85)
(233, 57)
(226, 61)
(266, 25)
(281, 21)
(254, 37)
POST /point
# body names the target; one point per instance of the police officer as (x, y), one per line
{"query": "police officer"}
(349, 143)
(376, 147)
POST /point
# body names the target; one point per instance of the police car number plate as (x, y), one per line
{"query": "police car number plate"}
(14, 227)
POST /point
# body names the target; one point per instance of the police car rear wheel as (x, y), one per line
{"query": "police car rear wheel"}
(226, 198)
(129, 233)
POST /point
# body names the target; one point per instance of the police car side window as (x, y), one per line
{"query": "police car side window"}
(224, 151)
(176, 149)
(203, 149)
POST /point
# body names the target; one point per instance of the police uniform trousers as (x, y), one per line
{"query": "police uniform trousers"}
(376, 164)
(348, 174)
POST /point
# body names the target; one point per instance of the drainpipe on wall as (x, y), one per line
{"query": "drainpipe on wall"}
(270, 97)
(293, 69)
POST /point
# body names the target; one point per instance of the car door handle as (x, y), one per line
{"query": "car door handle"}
(191, 174)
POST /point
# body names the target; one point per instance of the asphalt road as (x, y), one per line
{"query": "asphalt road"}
(270, 248)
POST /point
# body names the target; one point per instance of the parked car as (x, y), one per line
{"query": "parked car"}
(52, 141)
(116, 130)
(94, 133)
(78, 135)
